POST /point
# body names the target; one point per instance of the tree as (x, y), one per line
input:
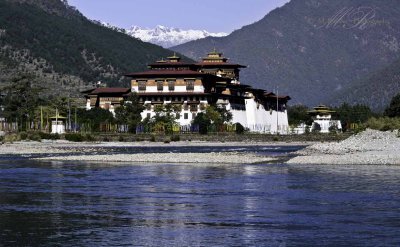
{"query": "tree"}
(348, 114)
(21, 99)
(165, 117)
(94, 117)
(298, 114)
(393, 110)
(203, 121)
(225, 115)
(130, 112)
(212, 116)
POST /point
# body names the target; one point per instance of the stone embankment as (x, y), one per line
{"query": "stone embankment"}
(370, 147)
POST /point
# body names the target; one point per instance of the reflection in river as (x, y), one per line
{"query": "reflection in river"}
(79, 204)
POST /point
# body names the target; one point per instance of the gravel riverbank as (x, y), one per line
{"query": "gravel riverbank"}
(70, 151)
(370, 147)
(214, 158)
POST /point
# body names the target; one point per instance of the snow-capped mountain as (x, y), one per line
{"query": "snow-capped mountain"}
(169, 36)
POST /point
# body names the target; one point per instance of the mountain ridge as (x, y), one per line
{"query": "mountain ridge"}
(311, 48)
(169, 36)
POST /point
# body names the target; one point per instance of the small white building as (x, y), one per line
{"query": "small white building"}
(58, 124)
(322, 116)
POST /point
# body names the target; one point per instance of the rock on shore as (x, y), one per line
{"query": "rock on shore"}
(370, 147)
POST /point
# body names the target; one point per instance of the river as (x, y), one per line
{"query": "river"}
(122, 204)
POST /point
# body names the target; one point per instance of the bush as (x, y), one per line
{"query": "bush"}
(333, 129)
(121, 139)
(49, 136)
(307, 130)
(11, 138)
(239, 128)
(383, 123)
(23, 135)
(152, 138)
(89, 138)
(74, 137)
(34, 137)
(175, 138)
(316, 128)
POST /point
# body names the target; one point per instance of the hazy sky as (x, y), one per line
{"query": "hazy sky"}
(211, 15)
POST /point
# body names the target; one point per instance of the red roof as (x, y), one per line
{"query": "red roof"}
(165, 72)
(212, 64)
(108, 90)
(272, 95)
(168, 73)
(171, 64)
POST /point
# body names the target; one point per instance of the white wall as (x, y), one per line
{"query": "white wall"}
(326, 123)
(57, 128)
(261, 120)
(239, 116)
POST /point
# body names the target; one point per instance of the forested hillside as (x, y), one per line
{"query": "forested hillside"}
(375, 90)
(64, 49)
(313, 49)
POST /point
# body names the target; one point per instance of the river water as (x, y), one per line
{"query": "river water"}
(122, 204)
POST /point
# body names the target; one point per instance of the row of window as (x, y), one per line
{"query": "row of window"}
(186, 107)
(172, 98)
(171, 85)
(178, 115)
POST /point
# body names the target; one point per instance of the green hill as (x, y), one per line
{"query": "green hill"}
(64, 49)
(312, 49)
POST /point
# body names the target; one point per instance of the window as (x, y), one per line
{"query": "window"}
(194, 115)
(160, 85)
(193, 108)
(189, 85)
(178, 115)
(142, 85)
(148, 115)
(185, 107)
(171, 85)
(186, 116)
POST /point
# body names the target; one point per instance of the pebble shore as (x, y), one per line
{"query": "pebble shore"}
(370, 147)
(197, 158)
(69, 151)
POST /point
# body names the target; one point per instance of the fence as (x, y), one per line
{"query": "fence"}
(8, 127)
(176, 128)
(118, 128)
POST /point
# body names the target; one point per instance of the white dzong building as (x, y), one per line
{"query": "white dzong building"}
(191, 87)
(213, 81)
